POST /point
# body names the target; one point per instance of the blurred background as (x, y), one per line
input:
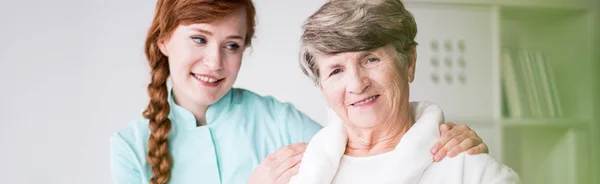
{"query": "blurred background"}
(524, 74)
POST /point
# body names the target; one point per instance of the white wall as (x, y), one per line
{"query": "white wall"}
(72, 72)
(271, 67)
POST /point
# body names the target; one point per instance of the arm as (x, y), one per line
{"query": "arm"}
(122, 169)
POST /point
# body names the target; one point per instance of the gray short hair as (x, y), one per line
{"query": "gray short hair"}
(356, 25)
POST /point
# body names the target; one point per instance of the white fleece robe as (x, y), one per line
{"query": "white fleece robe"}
(410, 162)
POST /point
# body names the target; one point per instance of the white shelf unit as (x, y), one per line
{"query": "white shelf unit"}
(540, 150)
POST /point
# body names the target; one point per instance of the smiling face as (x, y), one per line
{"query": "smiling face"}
(364, 88)
(205, 58)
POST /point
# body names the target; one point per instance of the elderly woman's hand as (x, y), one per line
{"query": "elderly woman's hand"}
(456, 139)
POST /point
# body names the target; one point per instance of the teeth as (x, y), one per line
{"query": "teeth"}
(365, 101)
(205, 79)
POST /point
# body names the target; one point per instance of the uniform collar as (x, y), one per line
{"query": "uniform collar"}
(182, 117)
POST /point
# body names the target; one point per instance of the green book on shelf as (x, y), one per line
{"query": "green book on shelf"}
(526, 75)
(539, 90)
(514, 85)
(528, 85)
(509, 85)
(548, 86)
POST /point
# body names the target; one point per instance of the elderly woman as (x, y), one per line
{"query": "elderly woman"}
(362, 55)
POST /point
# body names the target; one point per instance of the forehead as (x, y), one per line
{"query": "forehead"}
(385, 52)
(344, 56)
(233, 23)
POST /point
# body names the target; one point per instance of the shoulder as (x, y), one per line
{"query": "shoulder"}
(274, 113)
(133, 129)
(248, 97)
(258, 103)
(489, 169)
(479, 168)
(132, 137)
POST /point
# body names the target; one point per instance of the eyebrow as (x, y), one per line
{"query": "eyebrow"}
(360, 56)
(235, 37)
(210, 34)
(332, 66)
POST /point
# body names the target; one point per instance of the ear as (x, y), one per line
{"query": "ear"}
(162, 45)
(412, 65)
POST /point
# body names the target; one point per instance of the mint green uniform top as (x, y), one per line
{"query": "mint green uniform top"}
(242, 129)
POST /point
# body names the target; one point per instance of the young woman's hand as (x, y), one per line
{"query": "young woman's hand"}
(456, 139)
(280, 166)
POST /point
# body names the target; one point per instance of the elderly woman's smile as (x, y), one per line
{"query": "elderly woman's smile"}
(362, 87)
(365, 102)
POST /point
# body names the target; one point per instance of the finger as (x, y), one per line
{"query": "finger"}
(481, 148)
(291, 149)
(436, 147)
(448, 126)
(286, 152)
(288, 163)
(450, 135)
(447, 145)
(438, 150)
(459, 130)
(445, 128)
(463, 146)
(439, 155)
(287, 175)
(272, 162)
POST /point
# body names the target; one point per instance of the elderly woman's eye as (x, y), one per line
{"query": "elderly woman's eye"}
(372, 60)
(198, 39)
(336, 71)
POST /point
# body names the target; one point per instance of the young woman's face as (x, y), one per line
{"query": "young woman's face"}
(204, 58)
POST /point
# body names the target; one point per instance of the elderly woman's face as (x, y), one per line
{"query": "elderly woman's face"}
(363, 87)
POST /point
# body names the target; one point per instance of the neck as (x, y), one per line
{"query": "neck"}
(199, 111)
(379, 139)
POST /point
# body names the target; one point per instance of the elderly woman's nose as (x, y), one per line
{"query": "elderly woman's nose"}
(358, 82)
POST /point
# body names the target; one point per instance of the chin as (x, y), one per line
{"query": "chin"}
(203, 97)
(207, 100)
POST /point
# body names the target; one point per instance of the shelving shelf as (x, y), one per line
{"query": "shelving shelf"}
(540, 149)
(545, 122)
